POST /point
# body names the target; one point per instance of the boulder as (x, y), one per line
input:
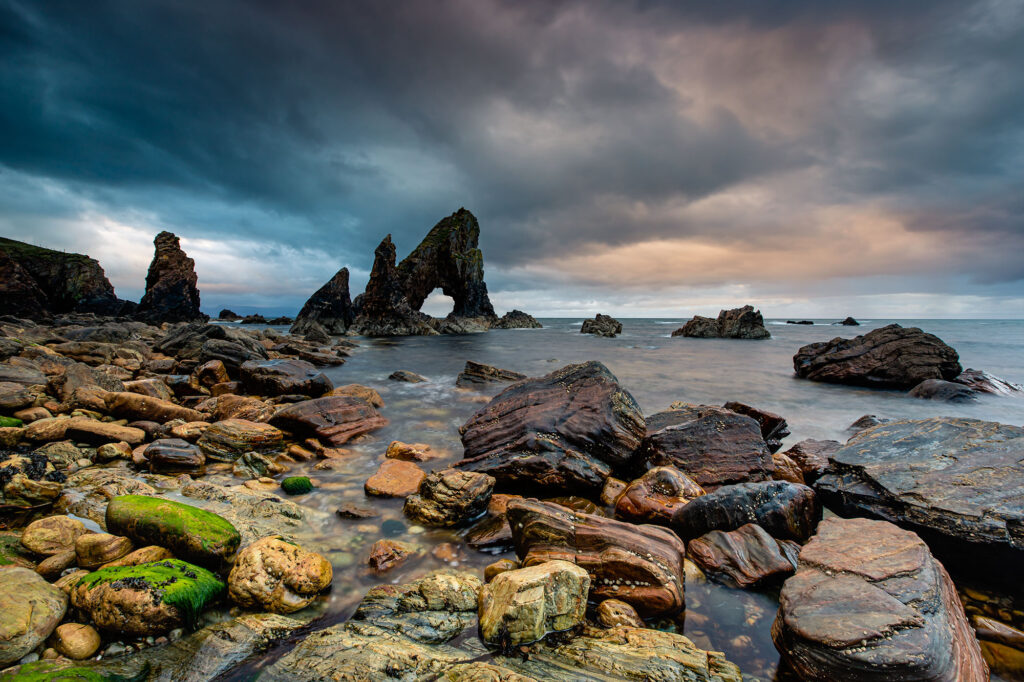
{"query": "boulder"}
(30, 609)
(205, 342)
(99, 433)
(134, 406)
(788, 511)
(450, 498)
(147, 599)
(329, 308)
(92, 550)
(889, 357)
(333, 420)
(525, 605)
(171, 291)
(812, 457)
(773, 427)
(517, 319)
(869, 602)
(284, 377)
(76, 641)
(983, 382)
(601, 325)
(405, 376)
(477, 374)
(640, 565)
(850, 322)
(745, 557)
(410, 452)
(154, 388)
(229, 439)
(52, 535)
(564, 431)
(395, 478)
(277, 576)
(359, 391)
(958, 482)
(712, 445)
(738, 323)
(655, 496)
(786, 469)
(175, 456)
(191, 533)
(943, 391)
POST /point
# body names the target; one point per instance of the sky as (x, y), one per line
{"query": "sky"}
(632, 157)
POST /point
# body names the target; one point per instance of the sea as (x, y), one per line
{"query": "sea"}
(657, 369)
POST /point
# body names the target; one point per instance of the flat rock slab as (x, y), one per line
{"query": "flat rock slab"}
(869, 602)
(959, 481)
(334, 420)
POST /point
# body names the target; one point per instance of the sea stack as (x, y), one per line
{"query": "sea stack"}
(171, 291)
(330, 307)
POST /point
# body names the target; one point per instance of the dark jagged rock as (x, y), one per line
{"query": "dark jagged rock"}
(280, 321)
(958, 482)
(36, 282)
(334, 420)
(869, 602)
(284, 377)
(712, 445)
(330, 308)
(812, 457)
(866, 422)
(640, 565)
(478, 374)
(805, 322)
(983, 382)
(738, 323)
(601, 325)
(849, 322)
(171, 292)
(205, 342)
(944, 391)
(255, 318)
(745, 557)
(788, 511)
(517, 319)
(383, 309)
(448, 258)
(773, 427)
(563, 431)
(889, 357)
(228, 315)
(175, 456)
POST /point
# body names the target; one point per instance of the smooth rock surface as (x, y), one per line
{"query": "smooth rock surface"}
(30, 609)
(277, 576)
(788, 511)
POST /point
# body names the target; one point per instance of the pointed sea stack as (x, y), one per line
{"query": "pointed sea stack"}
(171, 292)
(330, 307)
(383, 308)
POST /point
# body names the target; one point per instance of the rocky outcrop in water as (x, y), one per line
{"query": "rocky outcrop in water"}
(36, 282)
(943, 391)
(889, 357)
(477, 374)
(448, 258)
(567, 430)
(869, 602)
(330, 308)
(738, 323)
(983, 382)
(517, 319)
(958, 482)
(602, 325)
(849, 322)
(171, 291)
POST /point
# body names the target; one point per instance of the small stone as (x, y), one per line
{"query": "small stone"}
(407, 376)
(395, 478)
(76, 640)
(52, 566)
(347, 510)
(387, 554)
(392, 527)
(498, 567)
(410, 452)
(297, 485)
(614, 612)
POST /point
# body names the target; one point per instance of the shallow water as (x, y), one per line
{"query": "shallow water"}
(657, 370)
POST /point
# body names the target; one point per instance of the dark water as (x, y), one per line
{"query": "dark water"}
(658, 370)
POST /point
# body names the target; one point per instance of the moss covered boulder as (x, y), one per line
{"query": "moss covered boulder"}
(147, 599)
(191, 533)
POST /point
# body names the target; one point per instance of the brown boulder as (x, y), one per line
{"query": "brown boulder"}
(284, 377)
(477, 374)
(52, 535)
(811, 456)
(95, 549)
(773, 427)
(278, 576)
(227, 440)
(654, 497)
(334, 420)
(745, 557)
(175, 456)
(387, 554)
(450, 498)
(359, 391)
(395, 478)
(144, 408)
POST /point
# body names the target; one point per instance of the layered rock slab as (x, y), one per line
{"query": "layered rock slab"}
(869, 602)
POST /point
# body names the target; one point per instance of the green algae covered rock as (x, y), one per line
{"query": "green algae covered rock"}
(7, 422)
(297, 485)
(62, 671)
(191, 533)
(146, 599)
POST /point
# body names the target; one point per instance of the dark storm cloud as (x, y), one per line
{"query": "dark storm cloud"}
(566, 127)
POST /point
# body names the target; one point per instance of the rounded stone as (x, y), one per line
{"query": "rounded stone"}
(52, 535)
(76, 640)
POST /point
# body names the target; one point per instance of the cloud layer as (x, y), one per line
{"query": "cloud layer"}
(636, 156)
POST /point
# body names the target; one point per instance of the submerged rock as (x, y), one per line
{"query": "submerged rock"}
(478, 374)
(30, 609)
(329, 309)
(171, 291)
(641, 565)
(869, 602)
(191, 533)
(147, 599)
(387, 554)
(788, 511)
(889, 357)
(517, 319)
(278, 576)
(524, 605)
(563, 431)
(712, 445)
(450, 498)
(959, 482)
(602, 325)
